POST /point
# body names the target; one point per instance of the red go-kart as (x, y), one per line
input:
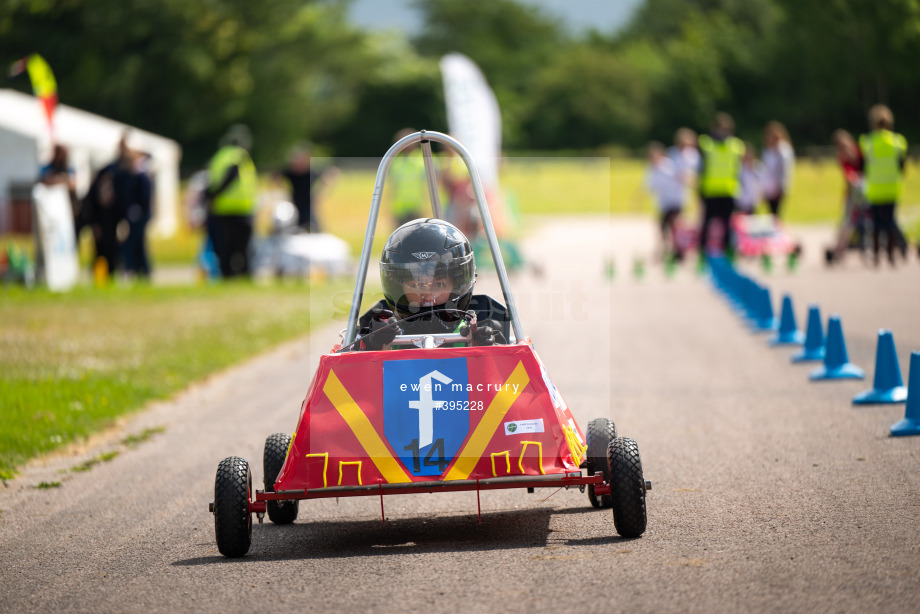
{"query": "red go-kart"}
(422, 417)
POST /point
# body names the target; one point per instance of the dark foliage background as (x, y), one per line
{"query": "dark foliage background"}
(295, 70)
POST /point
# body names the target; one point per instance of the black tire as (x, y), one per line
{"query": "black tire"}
(627, 487)
(601, 431)
(232, 520)
(276, 447)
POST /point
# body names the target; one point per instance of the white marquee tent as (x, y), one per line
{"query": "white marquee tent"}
(25, 145)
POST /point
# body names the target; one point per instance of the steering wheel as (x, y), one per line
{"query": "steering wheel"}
(468, 316)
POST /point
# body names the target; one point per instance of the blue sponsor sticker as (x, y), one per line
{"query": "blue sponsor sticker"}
(426, 411)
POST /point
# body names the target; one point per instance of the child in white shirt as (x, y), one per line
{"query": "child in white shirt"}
(752, 181)
(665, 180)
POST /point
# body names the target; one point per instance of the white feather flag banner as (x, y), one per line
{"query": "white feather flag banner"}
(473, 116)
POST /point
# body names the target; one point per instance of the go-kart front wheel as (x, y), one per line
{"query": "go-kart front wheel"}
(276, 447)
(232, 494)
(601, 431)
(627, 487)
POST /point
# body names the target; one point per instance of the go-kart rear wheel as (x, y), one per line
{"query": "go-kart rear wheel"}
(232, 520)
(276, 447)
(601, 431)
(627, 487)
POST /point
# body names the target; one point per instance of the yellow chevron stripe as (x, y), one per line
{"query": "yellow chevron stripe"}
(490, 422)
(367, 436)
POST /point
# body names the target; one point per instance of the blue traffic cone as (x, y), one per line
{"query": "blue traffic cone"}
(887, 387)
(814, 338)
(910, 424)
(788, 333)
(750, 291)
(837, 364)
(764, 320)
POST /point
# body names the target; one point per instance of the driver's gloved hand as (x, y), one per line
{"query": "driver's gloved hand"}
(377, 339)
(489, 332)
(384, 335)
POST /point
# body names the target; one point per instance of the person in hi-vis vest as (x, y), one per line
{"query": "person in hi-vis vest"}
(883, 153)
(719, 180)
(231, 194)
(406, 185)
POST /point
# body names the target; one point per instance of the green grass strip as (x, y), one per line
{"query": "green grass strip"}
(72, 364)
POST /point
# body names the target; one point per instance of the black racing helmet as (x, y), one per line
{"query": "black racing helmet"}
(419, 252)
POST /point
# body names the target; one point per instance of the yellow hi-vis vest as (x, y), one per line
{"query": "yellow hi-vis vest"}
(721, 166)
(407, 180)
(882, 152)
(240, 196)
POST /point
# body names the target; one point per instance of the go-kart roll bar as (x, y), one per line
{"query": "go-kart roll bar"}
(424, 138)
(431, 175)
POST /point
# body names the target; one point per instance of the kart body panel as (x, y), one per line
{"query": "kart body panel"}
(417, 416)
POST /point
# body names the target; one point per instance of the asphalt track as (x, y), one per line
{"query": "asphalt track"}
(771, 493)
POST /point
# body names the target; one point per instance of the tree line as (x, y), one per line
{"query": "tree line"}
(296, 70)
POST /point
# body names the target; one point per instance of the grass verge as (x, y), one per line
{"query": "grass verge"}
(71, 364)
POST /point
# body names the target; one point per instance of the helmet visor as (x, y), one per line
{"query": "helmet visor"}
(414, 286)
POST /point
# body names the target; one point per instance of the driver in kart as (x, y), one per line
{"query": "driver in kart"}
(428, 272)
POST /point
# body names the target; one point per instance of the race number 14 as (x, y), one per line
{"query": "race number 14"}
(430, 459)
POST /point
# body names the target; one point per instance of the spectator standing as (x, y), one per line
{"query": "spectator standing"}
(884, 153)
(306, 184)
(408, 190)
(299, 177)
(850, 160)
(686, 155)
(104, 208)
(752, 178)
(196, 207)
(720, 174)
(231, 193)
(663, 178)
(138, 212)
(461, 210)
(59, 172)
(779, 166)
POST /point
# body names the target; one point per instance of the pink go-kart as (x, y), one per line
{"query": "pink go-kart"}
(760, 236)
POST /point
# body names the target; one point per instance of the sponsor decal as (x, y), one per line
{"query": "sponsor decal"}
(558, 403)
(421, 421)
(423, 255)
(521, 427)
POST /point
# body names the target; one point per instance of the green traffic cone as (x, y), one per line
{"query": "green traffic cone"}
(638, 268)
(670, 265)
